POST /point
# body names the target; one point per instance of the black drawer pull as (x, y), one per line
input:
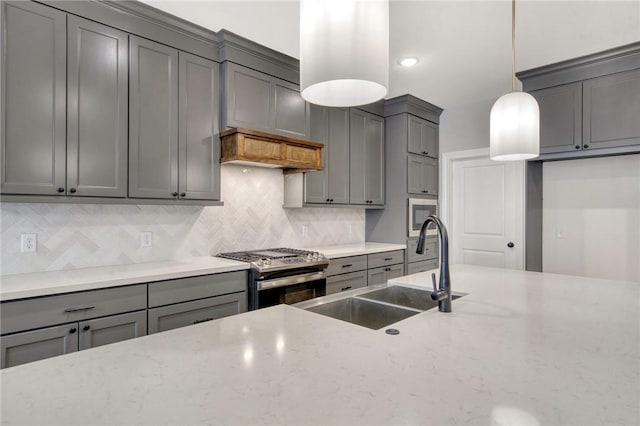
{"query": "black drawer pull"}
(388, 259)
(203, 320)
(387, 269)
(348, 265)
(183, 194)
(73, 330)
(345, 288)
(61, 189)
(577, 146)
(72, 190)
(585, 146)
(86, 328)
(78, 309)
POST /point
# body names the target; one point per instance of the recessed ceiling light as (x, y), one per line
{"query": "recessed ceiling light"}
(408, 62)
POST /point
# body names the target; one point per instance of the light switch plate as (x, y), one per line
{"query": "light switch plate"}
(28, 243)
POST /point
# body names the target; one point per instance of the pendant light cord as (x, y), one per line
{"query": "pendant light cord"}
(513, 45)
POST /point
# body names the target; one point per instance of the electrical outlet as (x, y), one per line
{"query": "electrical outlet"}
(146, 239)
(28, 243)
(305, 230)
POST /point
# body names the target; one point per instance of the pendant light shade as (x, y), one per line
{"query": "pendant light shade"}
(515, 117)
(344, 51)
(515, 127)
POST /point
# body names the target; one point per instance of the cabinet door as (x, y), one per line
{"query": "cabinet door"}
(153, 120)
(189, 313)
(422, 137)
(376, 276)
(338, 161)
(316, 184)
(290, 111)
(30, 346)
(112, 329)
(366, 177)
(33, 92)
(422, 175)
(344, 282)
(97, 105)
(560, 118)
(394, 271)
(611, 111)
(248, 98)
(199, 143)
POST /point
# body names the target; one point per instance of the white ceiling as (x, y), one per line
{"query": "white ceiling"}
(464, 46)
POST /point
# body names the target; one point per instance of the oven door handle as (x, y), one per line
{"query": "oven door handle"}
(285, 281)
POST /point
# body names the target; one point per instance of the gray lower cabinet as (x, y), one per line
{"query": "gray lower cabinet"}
(422, 262)
(195, 312)
(383, 274)
(258, 101)
(611, 110)
(153, 120)
(198, 143)
(344, 282)
(422, 175)
(366, 175)
(74, 74)
(188, 301)
(43, 327)
(422, 137)
(560, 118)
(424, 265)
(329, 126)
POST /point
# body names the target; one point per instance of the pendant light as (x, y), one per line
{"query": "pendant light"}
(344, 51)
(515, 117)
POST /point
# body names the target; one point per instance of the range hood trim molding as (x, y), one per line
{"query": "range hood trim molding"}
(244, 146)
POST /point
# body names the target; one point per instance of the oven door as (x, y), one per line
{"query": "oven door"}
(419, 210)
(289, 289)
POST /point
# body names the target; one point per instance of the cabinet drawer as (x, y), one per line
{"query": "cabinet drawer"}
(387, 258)
(383, 274)
(344, 282)
(346, 264)
(27, 314)
(425, 265)
(185, 289)
(430, 249)
(189, 313)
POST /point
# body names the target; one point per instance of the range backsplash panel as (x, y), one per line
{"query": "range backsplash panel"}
(72, 236)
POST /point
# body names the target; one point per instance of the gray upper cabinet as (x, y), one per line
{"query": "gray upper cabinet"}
(97, 102)
(422, 137)
(33, 80)
(199, 143)
(258, 101)
(331, 185)
(611, 110)
(560, 118)
(153, 120)
(422, 175)
(366, 177)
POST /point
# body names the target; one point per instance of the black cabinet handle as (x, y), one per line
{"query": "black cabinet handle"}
(202, 320)
(348, 265)
(387, 269)
(175, 194)
(327, 200)
(585, 146)
(577, 146)
(331, 200)
(388, 259)
(510, 244)
(79, 309)
(72, 190)
(345, 288)
(183, 194)
(86, 327)
(61, 189)
(73, 330)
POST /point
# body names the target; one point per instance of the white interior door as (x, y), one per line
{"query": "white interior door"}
(487, 213)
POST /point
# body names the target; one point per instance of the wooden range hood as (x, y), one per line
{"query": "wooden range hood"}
(244, 146)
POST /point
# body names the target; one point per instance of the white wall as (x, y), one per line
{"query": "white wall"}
(465, 127)
(84, 235)
(591, 217)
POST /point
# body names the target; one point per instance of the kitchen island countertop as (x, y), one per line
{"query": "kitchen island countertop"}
(521, 348)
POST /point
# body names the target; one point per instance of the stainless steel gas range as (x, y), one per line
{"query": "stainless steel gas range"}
(283, 275)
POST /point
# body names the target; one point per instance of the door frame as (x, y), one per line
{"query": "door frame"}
(446, 196)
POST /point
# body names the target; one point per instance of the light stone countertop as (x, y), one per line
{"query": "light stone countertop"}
(522, 348)
(35, 284)
(345, 250)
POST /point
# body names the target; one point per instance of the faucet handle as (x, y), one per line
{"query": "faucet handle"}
(433, 280)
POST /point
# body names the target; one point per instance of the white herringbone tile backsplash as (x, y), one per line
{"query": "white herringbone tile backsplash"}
(74, 236)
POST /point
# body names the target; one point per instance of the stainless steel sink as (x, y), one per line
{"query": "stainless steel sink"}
(404, 296)
(363, 312)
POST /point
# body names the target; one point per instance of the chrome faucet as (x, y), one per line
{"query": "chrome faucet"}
(442, 293)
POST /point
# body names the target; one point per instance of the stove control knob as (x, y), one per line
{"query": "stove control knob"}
(260, 262)
(267, 262)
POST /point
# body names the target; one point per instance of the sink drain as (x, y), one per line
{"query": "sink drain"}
(392, 331)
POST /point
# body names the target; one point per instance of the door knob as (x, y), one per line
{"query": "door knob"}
(510, 244)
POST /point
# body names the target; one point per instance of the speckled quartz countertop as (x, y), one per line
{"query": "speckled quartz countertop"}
(19, 286)
(344, 250)
(522, 348)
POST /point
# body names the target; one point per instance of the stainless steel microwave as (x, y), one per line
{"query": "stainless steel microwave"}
(419, 210)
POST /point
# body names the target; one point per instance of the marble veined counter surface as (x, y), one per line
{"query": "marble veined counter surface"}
(35, 284)
(522, 348)
(344, 250)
